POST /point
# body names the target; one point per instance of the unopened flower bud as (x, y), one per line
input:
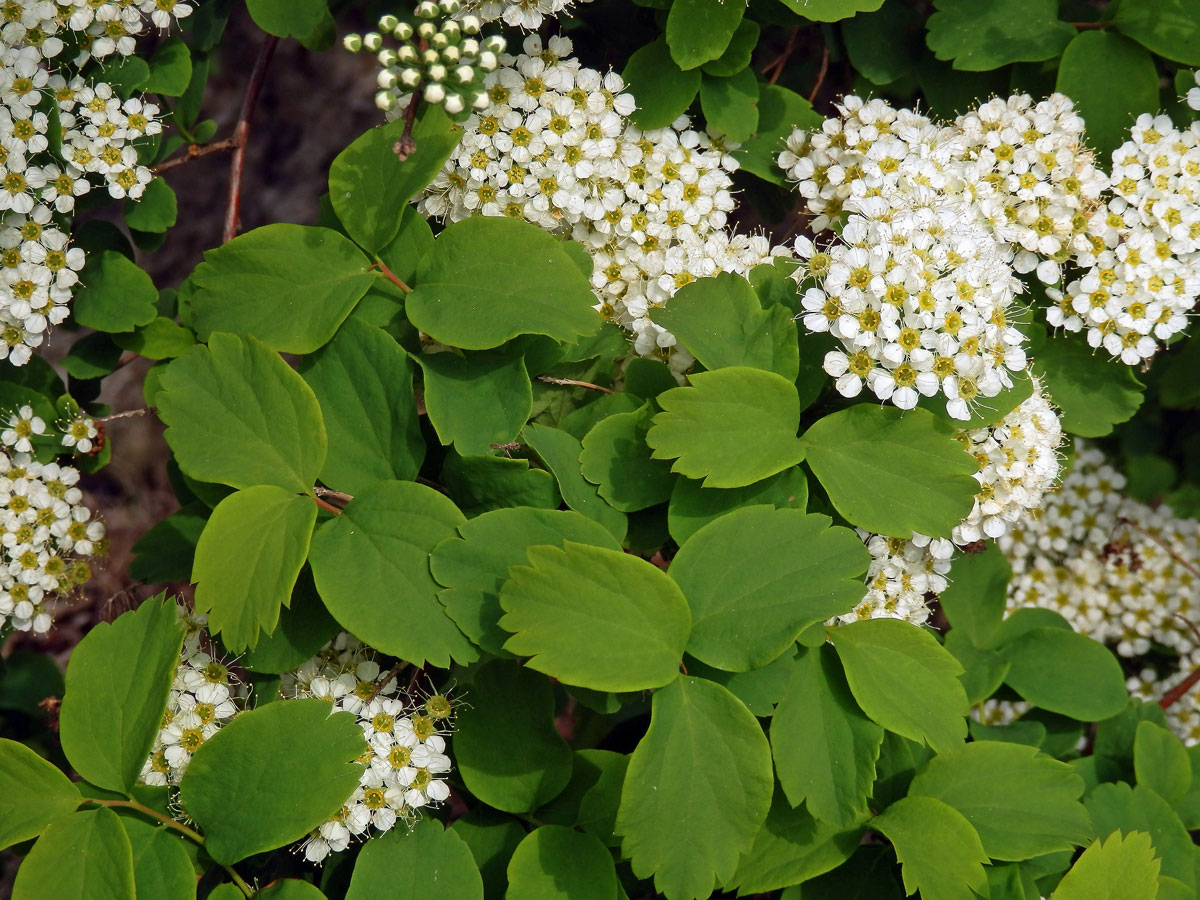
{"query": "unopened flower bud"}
(488, 61)
(372, 41)
(439, 41)
(426, 10)
(430, 57)
(403, 31)
(454, 104)
(481, 100)
(495, 43)
(469, 47)
(464, 74)
(434, 93)
(388, 22)
(471, 24)
(385, 100)
(410, 78)
(387, 79)
(353, 42)
(437, 72)
(452, 30)
(387, 57)
(449, 7)
(426, 30)
(407, 55)
(450, 55)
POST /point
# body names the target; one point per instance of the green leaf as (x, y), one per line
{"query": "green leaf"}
(986, 34)
(35, 793)
(1116, 807)
(289, 889)
(481, 483)
(506, 747)
(296, 758)
(759, 576)
(892, 472)
(1022, 802)
(491, 837)
(697, 791)
(166, 551)
(476, 400)
(699, 31)
(940, 854)
(721, 323)
(371, 566)
(884, 45)
(237, 414)
(473, 565)
(1092, 391)
(304, 628)
(983, 670)
(1066, 673)
(974, 600)
(824, 746)
(363, 383)
(869, 876)
(792, 847)
(780, 112)
(730, 105)
(83, 855)
(731, 427)
(247, 561)
(161, 867)
(595, 617)
(114, 294)
(662, 90)
(288, 18)
(1112, 81)
(111, 709)
(436, 862)
(487, 280)
(1118, 868)
(1170, 28)
(1161, 761)
(155, 210)
(692, 506)
(370, 186)
(290, 286)
(556, 863)
(560, 453)
(170, 74)
(617, 460)
(161, 338)
(831, 10)
(737, 55)
(904, 680)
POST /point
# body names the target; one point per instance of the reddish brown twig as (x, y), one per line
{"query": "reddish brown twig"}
(241, 134)
(327, 506)
(571, 382)
(389, 275)
(821, 72)
(775, 66)
(1180, 689)
(1089, 24)
(385, 681)
(405, 147)
(194, 151)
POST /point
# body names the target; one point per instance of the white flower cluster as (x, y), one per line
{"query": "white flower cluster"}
(901, 577)
(405, 761)
(47, 535)
(203, 698)
(917, 287)
(1018, 462)
(1183, 716)
(1144, 277)
(524, 14)
(85, 28)
(556, 148)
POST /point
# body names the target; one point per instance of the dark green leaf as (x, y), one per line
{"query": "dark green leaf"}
(1116, 807)
(556, 863)
(83, 855)
(692, 506)
(304, 628)
(161, 867)
(155, 210)
(699, 31)
(1161, 762)
(1065, 673)
(663, 91)
(617, 460)
(986, 34)
(939, 852)
(975, 598)
(1170, 28)
(165, 552)
(737, 55)
(288, 18)
(491, 837)
(35, 793)
(479, 484)
(884, 45)
(114, 294)
(1092, 391)
(560, 453)
(476, 400)
(435, 862)
(780, 112)
(160, 338)
(730, 104)
(831, 10)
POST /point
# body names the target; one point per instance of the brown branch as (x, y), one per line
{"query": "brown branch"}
(821, 72)
(145, 410)
(241, 134)
(571, 382)
(195, 151)
(385, 681)
(1154, 537)
(327, 506)
(406, 146)
(780, 61)
(1089, 24)
(389, 275)
(1180, 689)
(336, 495)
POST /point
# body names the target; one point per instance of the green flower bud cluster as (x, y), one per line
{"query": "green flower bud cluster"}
(440, 53)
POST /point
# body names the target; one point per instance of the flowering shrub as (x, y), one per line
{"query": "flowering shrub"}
(700, 449)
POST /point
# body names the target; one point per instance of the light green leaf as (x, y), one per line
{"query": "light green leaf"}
(288, 18)
(371, 566)
(780, 112)
(1112, 81)
(721, 322)
(1092, 391)
(296, 758)
(1065, 672)
(34, 793)
(731, 427)
(986, 34)
(556, 863)
(290, 286)
(161, 338)
(1117, 868)
(730, 105)
(1117, 806)
(904, 680)
(697, 791)
(476, 400)
(831, 10)
(237, 414)
(247, 561)
(737, 55)
(114, 294)
(1160, 761)
(506, 747)
(370, 186)
(595, 617)
(759, 576)
(792, 847)
(436, 862)
(111, 709)
(1170, 28)
(892, 472)
(692, 506)
(161, 867)
(363, 383)
(156, 209)
(1022, 803)
(289, 889)
(662, 90)
(487, 280)
(483, 482)
(473, 565)
(699, 31)
(617, 460)
(974, 600)
(83, 856)
(560, 453)
(824, 746)
(940, 854)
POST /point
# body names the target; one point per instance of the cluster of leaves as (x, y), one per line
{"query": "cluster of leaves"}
(433, 441)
